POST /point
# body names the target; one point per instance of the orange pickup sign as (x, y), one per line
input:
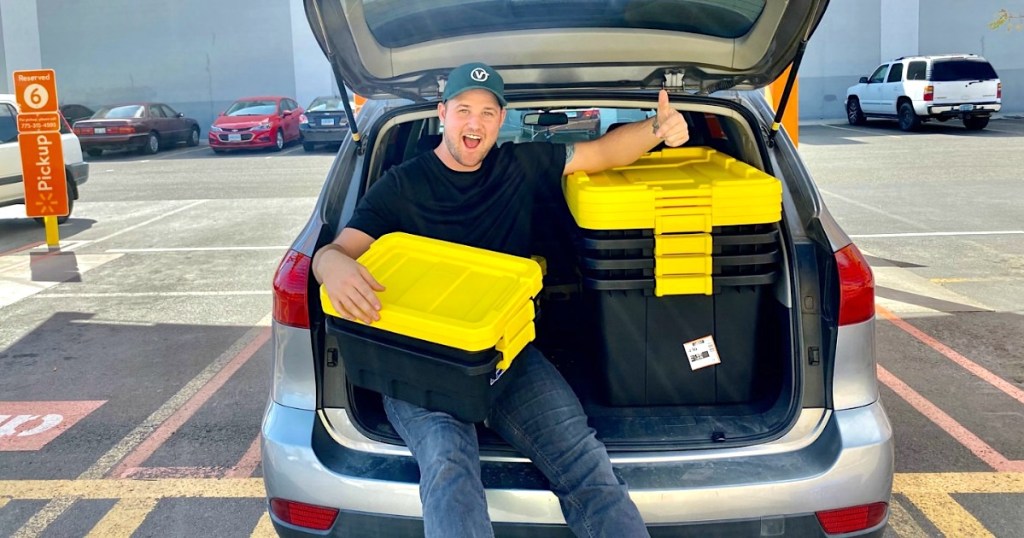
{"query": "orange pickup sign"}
(42, 166)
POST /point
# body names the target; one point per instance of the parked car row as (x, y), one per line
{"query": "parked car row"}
(249, 123)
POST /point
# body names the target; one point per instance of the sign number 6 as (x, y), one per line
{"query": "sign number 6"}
(36, 96)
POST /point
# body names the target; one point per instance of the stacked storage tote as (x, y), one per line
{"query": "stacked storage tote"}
(677, 246)
(453, 319)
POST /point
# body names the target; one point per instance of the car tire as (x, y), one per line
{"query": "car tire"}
(94, 152)
(909, 121)
(976, 123)
(308, 146)
(152, 144)
(193, 138)
(854, 114)
(278, 141)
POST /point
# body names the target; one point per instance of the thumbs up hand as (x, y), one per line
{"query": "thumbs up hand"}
(669, 124)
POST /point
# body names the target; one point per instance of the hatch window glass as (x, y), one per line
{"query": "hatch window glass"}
(399, 23)
(953, 70)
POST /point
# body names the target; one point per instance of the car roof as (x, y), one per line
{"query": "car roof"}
(262, 98)
(939, 57)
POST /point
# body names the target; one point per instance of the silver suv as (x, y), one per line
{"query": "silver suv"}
(915, 89)
(791, 440)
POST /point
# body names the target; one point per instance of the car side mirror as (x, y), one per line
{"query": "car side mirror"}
(863, 80)
(180, 115)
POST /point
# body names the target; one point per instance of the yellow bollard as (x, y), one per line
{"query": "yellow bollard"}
(52, 235)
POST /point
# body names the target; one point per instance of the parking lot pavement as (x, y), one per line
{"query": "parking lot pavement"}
(137, 357)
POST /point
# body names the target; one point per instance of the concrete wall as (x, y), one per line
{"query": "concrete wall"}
(855, 36)
(199, 55)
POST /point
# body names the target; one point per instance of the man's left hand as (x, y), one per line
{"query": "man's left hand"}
(672, 127)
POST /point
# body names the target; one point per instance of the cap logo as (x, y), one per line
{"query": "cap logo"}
(479, 74)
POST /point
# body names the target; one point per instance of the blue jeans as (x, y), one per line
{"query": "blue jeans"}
(540, 416)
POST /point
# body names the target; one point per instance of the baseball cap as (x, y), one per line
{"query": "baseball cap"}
(472, 76)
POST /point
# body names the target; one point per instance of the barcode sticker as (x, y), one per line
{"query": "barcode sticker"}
(702, 353)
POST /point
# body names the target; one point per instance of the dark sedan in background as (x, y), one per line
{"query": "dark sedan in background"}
(324, 122)
(147, 127)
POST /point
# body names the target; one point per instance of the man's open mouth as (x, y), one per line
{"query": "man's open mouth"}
(472, 141)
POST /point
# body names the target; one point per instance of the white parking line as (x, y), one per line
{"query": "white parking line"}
(872, 133)
(935, 234)
(151, 294)
(190, 249)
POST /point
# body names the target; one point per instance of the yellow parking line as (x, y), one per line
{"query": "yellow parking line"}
(907, 483)
(124, 518)
(42, 519)
(134, 489)
(4, 501)
(947, 515)
(264, 528)
(902, 523)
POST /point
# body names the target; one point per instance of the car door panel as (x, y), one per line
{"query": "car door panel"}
(871, 103)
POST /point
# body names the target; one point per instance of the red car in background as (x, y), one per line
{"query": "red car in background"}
(146, 127)
(256, 122)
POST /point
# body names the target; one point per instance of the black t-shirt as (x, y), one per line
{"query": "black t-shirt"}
(488, 208)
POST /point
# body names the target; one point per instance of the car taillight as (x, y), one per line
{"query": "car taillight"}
(857, 286)
(929, 93)
(999, 90)
(121, 130)
(856, 518)
(304, 515)
(291, 283)
(83, 130)
(592, 113)
(303, 119)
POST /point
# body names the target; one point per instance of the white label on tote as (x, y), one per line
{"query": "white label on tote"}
(702, 353)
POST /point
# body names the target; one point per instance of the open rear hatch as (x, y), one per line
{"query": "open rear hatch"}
(405, 48)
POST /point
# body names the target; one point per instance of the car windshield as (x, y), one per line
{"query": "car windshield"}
(953, 70)
(252, 108)
(398, 23)
(326, 104)
(119, 112)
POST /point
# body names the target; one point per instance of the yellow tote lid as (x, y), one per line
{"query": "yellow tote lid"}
(459, 296)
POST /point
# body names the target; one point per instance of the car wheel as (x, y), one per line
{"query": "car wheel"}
(278, 141)
(976, 123)
(908, 118)
(94, 152)
(152, 144)
(193, 137)
(308, 146)
(853, 112)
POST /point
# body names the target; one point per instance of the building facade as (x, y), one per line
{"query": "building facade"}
(198, 56)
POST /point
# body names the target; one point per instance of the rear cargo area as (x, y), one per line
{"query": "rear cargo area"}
(630, 315)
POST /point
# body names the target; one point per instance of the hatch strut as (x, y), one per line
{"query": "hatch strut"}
(352, 128)
(777, 123)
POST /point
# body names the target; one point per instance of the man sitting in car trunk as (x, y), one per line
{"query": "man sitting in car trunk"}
(469, 192)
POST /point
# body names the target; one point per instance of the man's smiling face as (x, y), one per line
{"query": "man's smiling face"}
(471, 121)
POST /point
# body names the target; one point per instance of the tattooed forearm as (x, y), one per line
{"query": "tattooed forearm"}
(570, 151)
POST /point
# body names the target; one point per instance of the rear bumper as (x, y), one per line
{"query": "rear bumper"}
(134, 141)
(78, 172)
(971, 109)
(846, 460)
(324, 136)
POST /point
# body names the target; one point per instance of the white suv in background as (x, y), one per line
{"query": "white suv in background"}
(914, 89)
(12, 189)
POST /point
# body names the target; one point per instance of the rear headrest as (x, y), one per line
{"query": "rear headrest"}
(428, 142)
